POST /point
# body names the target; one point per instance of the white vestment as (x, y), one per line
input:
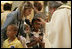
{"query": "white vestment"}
(46, 41)
(59, 28)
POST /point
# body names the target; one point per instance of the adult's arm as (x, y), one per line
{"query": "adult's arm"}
(9, 20)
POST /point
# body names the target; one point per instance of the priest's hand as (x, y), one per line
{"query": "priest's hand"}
(42, 22)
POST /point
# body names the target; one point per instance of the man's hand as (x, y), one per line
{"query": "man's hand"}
(42, 21)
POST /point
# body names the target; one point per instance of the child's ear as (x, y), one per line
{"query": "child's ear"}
(16, 33)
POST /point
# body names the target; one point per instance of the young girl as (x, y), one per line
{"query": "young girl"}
(37, 35)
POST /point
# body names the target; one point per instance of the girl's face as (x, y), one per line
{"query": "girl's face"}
(27, 30)
(36, 24)
(11, 32)
(27, 12)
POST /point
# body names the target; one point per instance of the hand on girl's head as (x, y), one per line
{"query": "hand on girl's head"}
(41, 21)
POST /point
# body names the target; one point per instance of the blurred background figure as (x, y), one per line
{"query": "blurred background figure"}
(7, 9)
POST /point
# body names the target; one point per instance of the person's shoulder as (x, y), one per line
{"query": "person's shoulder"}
(12, 14)
(63, 8)
(18, 43)
(5, 41)
(16, 40)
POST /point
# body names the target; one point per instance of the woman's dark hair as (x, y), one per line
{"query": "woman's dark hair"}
(38, 6)
(7, 6)
(35, 20)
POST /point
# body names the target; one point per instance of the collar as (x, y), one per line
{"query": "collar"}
(64, 6)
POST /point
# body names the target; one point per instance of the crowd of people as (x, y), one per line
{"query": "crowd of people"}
(18, 32)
